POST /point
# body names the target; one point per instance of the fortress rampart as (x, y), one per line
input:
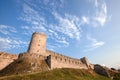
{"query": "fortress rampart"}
(37, 48)
(6, 59)
(56, 60)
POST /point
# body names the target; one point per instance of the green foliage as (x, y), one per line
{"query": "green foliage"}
(59, 74)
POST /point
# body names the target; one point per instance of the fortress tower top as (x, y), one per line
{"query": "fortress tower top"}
(38, 44)
(39, 34)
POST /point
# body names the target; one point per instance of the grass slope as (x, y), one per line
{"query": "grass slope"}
(116, 76)
(59, 74)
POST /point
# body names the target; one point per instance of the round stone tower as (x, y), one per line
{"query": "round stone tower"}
(38, 44)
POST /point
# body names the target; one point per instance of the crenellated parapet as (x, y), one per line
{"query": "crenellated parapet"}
(37, 48)
(56, 60)
(37, 59)
(64, 63)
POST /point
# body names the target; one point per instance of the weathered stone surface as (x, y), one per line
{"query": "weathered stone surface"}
(38, 46)
(25, 65)
(37, 58)
(59, 62)
(101, 70)
(6, 59)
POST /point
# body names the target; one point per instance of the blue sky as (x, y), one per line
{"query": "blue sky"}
(75, 28)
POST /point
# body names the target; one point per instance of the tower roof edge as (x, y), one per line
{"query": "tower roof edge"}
(40, 34)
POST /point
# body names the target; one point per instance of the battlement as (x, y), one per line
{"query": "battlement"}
(61, 56)
(54, 59)
(37, 58)
(40, 34)
(37, 48)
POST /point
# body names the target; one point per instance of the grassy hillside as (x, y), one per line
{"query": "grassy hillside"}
(116, 76)
(59, 74)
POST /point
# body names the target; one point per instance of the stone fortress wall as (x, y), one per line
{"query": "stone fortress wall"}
(54, 60)
(6, 59)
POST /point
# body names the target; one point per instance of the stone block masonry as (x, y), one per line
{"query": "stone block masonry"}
(57, 62)
(54, 60)
(6, 59)
(37, 44)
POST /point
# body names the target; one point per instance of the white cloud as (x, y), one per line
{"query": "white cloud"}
(101, 15)
(5, 29)
(11, 40)
(66, 26)
(85, 20)
(38, 23)
(69, 25)
(58, 39)
(93, 44)
(25, 27)
(96, 3)
(33, 18)
(53, 4)
(7, 44)
(97, 44)
(4, 44)
(62, 40)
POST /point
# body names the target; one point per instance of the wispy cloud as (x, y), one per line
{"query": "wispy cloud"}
(85, 20)
(8, 43)
(6, 30)
(32, 17)
(69, 25)
(4, 44)
(62, 27)
(101, 15)
(57, 38)
(43, 16)
(96, 3)
(38, 23)
(94, 43)
(11, 39)
(53, 4)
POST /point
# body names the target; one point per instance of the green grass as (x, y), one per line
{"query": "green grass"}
(59, 74)
(116, 76)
